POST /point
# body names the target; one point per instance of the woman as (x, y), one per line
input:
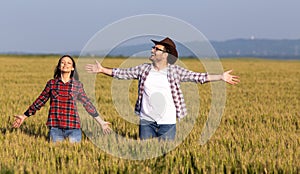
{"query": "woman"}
(63, 91)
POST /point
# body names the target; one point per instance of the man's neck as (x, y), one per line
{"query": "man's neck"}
(160, 66)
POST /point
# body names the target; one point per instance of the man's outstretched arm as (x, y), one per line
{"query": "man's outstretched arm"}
(226, 76)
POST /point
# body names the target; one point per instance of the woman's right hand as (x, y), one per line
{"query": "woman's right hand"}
(19, 119)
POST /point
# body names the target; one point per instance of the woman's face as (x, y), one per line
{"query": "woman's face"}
(66, 65)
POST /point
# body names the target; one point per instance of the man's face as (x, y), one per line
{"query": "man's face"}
(158, 53)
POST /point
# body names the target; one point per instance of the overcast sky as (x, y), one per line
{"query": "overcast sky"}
(57, 26)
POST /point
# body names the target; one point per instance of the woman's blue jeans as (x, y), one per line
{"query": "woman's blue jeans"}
(149, 129)
(59, 134)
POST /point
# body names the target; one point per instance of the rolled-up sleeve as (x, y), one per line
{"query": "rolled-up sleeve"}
(191, 76)
(126, 73)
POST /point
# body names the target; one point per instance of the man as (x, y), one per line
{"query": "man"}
(160, 99)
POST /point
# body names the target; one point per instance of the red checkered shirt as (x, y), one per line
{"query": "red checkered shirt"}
(175, 75)
(63, 110)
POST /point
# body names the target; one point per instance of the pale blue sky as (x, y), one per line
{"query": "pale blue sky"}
(59, 26)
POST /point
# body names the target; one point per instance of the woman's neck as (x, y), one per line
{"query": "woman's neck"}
(65, 77)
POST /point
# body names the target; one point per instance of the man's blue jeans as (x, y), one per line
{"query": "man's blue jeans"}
(149, 129)
(59, 134)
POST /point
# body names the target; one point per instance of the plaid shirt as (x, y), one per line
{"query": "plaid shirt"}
(63, 110)
(175, 75)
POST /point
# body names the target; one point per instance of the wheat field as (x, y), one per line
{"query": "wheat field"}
(259, 131)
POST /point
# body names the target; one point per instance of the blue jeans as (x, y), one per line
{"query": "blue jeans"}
(59, 134)
(149, 129)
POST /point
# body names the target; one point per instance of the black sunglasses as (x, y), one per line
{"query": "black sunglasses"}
(158, 49)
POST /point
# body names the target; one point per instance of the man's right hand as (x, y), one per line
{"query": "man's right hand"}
(98, 68)
(94, 68)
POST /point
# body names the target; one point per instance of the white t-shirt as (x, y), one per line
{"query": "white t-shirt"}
(157, 102)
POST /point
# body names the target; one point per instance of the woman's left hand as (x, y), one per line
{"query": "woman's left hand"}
(105, 127)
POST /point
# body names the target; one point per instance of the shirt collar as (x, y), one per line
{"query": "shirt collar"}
(165, 69)
(59, 80)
